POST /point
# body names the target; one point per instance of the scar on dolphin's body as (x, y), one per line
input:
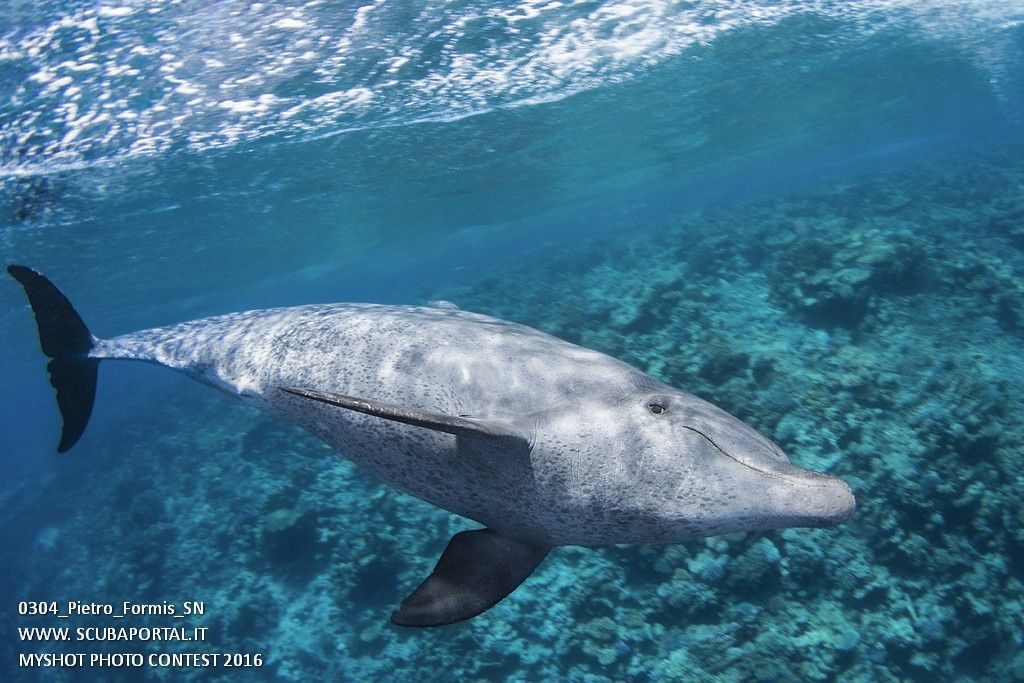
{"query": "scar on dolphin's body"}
(543, 442)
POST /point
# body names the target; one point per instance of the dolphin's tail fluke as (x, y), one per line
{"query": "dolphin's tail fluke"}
(64, 338)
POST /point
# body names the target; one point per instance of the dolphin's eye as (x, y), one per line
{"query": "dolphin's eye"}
(655, 407)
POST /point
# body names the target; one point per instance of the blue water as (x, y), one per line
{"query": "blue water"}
(807, 212)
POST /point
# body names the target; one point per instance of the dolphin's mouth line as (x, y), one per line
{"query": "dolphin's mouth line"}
(774, 475)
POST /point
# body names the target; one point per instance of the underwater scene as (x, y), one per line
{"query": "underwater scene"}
(807, 213)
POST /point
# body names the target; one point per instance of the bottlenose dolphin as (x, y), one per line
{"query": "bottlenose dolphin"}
(543, 442)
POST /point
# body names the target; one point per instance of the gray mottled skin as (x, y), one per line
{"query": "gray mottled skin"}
(603, 467)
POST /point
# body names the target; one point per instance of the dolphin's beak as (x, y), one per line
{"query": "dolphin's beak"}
(799, 497)
(813, 499)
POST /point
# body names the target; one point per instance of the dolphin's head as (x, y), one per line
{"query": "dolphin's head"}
(691, 469)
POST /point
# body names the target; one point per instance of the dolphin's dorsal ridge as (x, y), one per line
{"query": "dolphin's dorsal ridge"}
(443, 304)
(476, 571)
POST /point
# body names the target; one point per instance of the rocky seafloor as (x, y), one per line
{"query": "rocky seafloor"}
(874, 330)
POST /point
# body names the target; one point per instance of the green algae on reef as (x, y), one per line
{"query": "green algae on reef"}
(873, 329)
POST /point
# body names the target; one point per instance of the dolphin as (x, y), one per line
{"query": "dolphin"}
(543, 442)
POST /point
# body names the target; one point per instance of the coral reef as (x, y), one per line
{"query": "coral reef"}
(874, 330)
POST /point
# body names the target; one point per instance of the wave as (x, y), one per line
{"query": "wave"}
(105, 82)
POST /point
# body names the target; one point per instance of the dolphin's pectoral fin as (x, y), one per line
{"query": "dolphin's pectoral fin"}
(476, 571)
(476, 436)
(506, 456)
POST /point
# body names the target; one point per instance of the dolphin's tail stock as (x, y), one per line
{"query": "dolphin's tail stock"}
(64, 338)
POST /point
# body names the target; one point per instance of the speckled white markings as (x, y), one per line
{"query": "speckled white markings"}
(615, 456)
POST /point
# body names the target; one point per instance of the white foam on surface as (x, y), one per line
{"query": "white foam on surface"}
(115, 80)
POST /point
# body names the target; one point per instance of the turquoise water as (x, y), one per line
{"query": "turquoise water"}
(811, 214)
